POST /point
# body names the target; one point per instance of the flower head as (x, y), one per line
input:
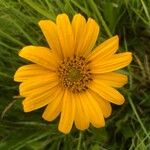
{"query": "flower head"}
(72, 78)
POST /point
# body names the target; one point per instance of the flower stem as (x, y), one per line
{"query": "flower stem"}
(79, 141)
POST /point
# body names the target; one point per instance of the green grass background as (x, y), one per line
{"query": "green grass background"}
(128, 128)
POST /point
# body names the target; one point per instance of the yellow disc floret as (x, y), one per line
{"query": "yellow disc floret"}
(75, 74)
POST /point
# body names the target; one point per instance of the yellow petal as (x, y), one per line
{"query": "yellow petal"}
(33, 102)
(105, 50)
(38, 85)
(78, 26)
(49, 30)
(93, 110)
(88, 38)
(113, 79)
(115, 62)
(31, 71)
(107, 92)
(103, 104)
(65, 34)
(81, 118)
(67, 113)
(40, 55)
(54, 108)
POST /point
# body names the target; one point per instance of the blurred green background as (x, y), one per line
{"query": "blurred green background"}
(128, 128)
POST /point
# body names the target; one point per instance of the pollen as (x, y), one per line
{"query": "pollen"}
(75, 74)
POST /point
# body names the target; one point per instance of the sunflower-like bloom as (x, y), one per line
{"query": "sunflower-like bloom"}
(72, 78)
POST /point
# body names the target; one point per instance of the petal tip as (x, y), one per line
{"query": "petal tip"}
(121, 102)
(108, 115)
(23, 50)
(78, 15)
(25, 107)
(63, 130)
(15, 77)
(44, 117)
(116, 37)
(129, 56)
(61, 15)
(41, 23)
(93, 21)
(99, 125)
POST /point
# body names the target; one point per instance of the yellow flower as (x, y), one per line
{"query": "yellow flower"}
(72, 78)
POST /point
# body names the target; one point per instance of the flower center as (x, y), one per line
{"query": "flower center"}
(75, 74)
